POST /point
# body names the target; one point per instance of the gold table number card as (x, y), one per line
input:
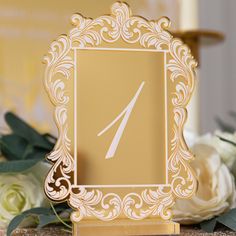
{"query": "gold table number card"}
(120, 85)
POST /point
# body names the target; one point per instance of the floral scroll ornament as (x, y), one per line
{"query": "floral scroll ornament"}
(181, 66)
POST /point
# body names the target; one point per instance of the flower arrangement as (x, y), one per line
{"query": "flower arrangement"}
(215, 168)
(23, 169)
(22, 172)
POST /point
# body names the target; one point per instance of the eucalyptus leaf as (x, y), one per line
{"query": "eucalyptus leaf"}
(24, 143)
(46, 220)
(22, 129)
(233, 114)
(50, 137)
(228, 219)
(60, 207)
(36, 153)
(13, 146)
(29, 150)
(15, 222)
(224, 126)
(208, 225)
(18, 165)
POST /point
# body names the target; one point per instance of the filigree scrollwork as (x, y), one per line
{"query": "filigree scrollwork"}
(94, 203)
(110, 206)
(182, 67)
(121, 24)
(59, 180)
(59, 185)
(149, 203)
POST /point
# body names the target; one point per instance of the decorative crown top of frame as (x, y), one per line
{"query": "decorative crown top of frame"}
(120, 24)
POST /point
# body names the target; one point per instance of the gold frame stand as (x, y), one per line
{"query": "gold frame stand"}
(126, 227)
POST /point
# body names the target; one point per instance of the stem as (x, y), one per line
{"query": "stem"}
(67, 231)
(59, 218)
(226, 140)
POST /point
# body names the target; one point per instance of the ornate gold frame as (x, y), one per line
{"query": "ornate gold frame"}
(59, 184)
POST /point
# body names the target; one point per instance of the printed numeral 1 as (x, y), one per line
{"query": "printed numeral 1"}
(125, 114)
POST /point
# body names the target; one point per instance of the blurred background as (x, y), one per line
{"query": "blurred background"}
(28, 27)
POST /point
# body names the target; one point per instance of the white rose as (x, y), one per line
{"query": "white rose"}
(226, 150)
(216, 189)
(18, 193)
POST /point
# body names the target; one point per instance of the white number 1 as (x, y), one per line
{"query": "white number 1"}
(126, 113)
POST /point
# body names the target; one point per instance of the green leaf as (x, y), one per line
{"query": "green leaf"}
(13, 146)
(59, 218)
(15, 222)
(25, 131)
(17, 148)
(36, 153)
(209, 225)
(228, 219)
(233, 114)
(50, 137)
(46, 220)
(29, 150)
(25, 142)
(60, 207)
(224, 126)
(18, 165)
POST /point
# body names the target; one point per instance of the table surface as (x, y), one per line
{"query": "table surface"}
(189, 231)
(55, 231)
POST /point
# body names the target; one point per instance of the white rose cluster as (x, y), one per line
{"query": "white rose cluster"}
(216, 186)
(226, 150)
(18, 193)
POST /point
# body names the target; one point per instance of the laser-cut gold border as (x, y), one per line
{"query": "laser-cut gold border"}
(59, 184)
